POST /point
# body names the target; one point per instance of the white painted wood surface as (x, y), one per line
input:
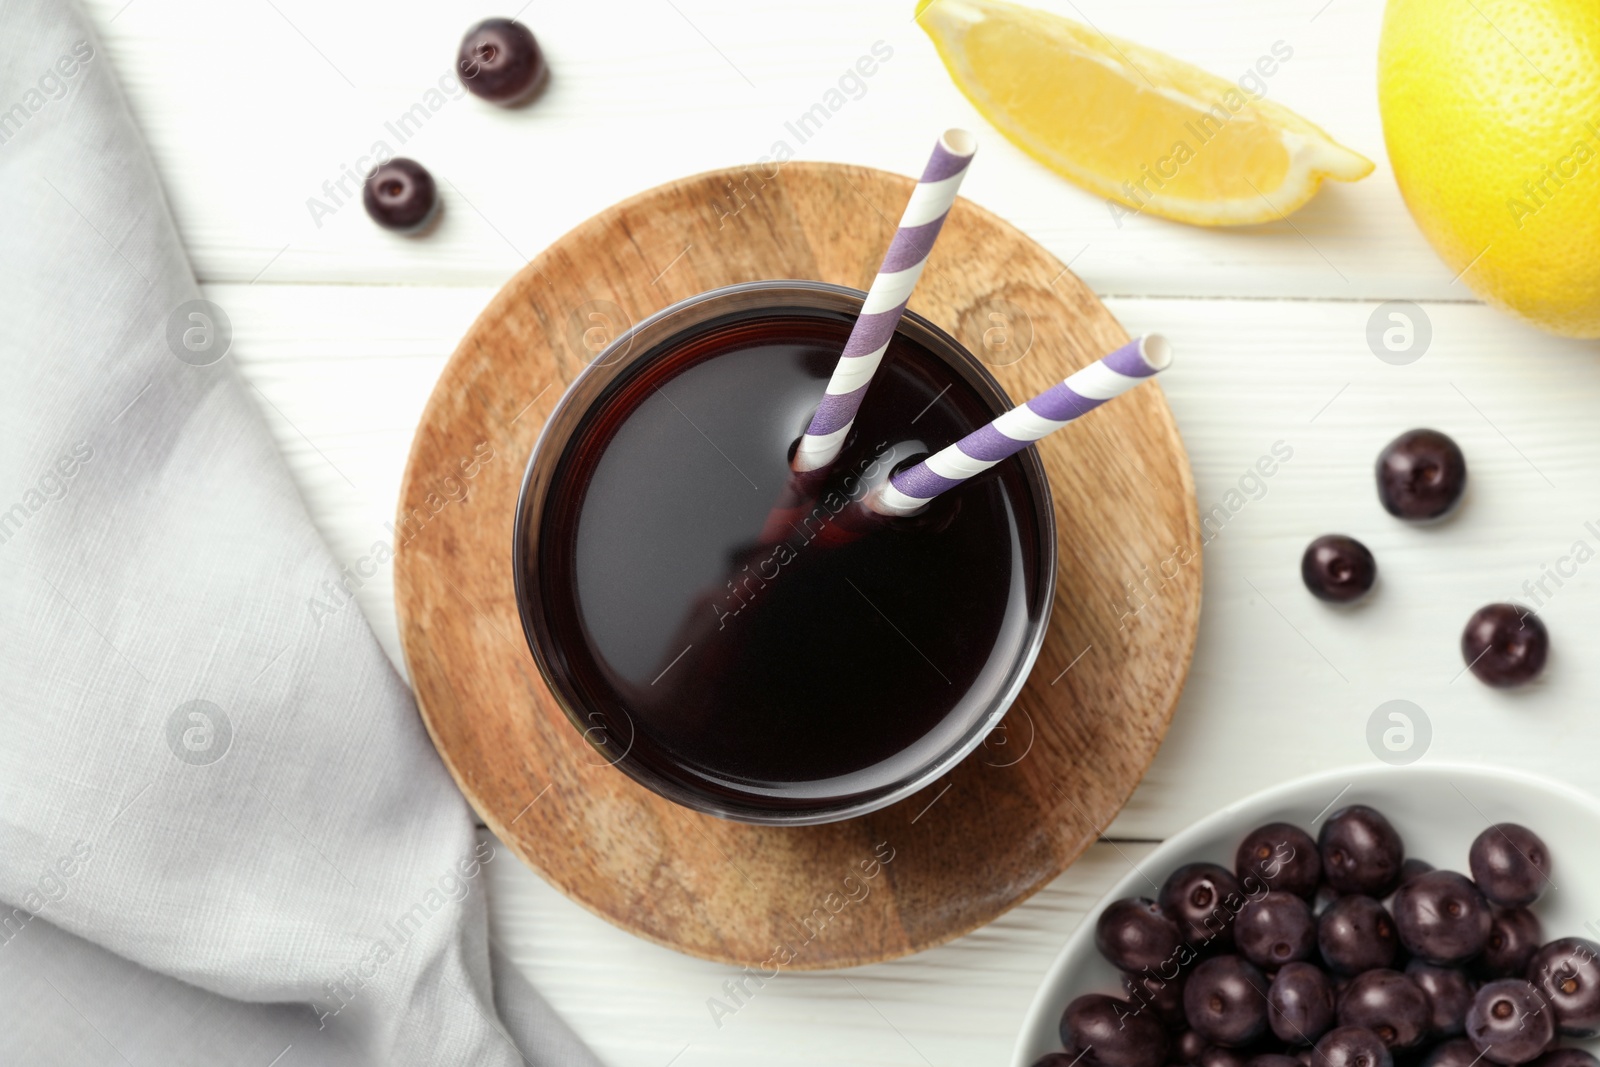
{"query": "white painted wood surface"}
(960, 1004)
(249, 106)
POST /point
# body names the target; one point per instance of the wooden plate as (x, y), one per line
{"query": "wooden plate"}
(938, 864)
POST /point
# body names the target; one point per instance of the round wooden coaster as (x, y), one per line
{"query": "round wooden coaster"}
(951, 858)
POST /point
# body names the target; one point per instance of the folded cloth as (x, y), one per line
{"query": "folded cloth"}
(224, 836)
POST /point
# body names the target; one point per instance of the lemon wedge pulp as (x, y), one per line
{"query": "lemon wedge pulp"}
(1150, 133)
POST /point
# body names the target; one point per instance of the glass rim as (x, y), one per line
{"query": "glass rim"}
(626, 351)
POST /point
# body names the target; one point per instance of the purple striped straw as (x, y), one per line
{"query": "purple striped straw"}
(910, 490)
(886, 300)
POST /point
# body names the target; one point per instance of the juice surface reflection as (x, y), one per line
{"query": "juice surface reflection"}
(757, 654)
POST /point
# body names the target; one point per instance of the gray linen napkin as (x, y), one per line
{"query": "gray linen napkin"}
(224, 836)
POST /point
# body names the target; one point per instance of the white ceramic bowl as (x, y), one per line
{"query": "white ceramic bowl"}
(1438, 810)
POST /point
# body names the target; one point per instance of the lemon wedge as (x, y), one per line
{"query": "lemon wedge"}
(1148, 132)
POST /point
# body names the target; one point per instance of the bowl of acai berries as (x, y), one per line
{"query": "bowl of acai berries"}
(1425, 916)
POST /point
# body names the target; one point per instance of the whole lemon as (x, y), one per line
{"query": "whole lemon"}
(1491, 110)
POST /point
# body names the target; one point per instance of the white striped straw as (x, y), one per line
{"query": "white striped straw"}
(910, 490)
(886, 300)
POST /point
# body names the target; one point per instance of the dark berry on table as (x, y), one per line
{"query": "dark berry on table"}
(1412, 867)
(1361, 852)
(1356, 934)
(1133, 934)
(1275, 929)
(1387, 1003)
(1109, 1032)
(1282, 856)
(1441, 917)
(1421, 475)
(1456, 1052)
(1186, 1047)
(1225, 1001)
(500, 61)
(1509, 1021)
(400, 195)
(1338, 569)
(1351, 1046)
(1510, 863)
(1217, 1056)
(1195, 895)
(1149, 992)
(1449, 991)
(1566, 1057)
(1504, 645)
(1567, 973)
(1515, 934)
(1300, 1003)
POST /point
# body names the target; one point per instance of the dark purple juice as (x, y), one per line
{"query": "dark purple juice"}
(786, 661)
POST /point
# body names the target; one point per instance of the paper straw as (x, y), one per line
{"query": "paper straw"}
(911, 489)
(886, 300)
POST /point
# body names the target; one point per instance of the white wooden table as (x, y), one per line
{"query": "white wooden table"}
(250, 106)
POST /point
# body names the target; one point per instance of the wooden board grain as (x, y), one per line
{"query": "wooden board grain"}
(965, 849)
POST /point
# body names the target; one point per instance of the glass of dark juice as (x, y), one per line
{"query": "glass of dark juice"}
(751, 643)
